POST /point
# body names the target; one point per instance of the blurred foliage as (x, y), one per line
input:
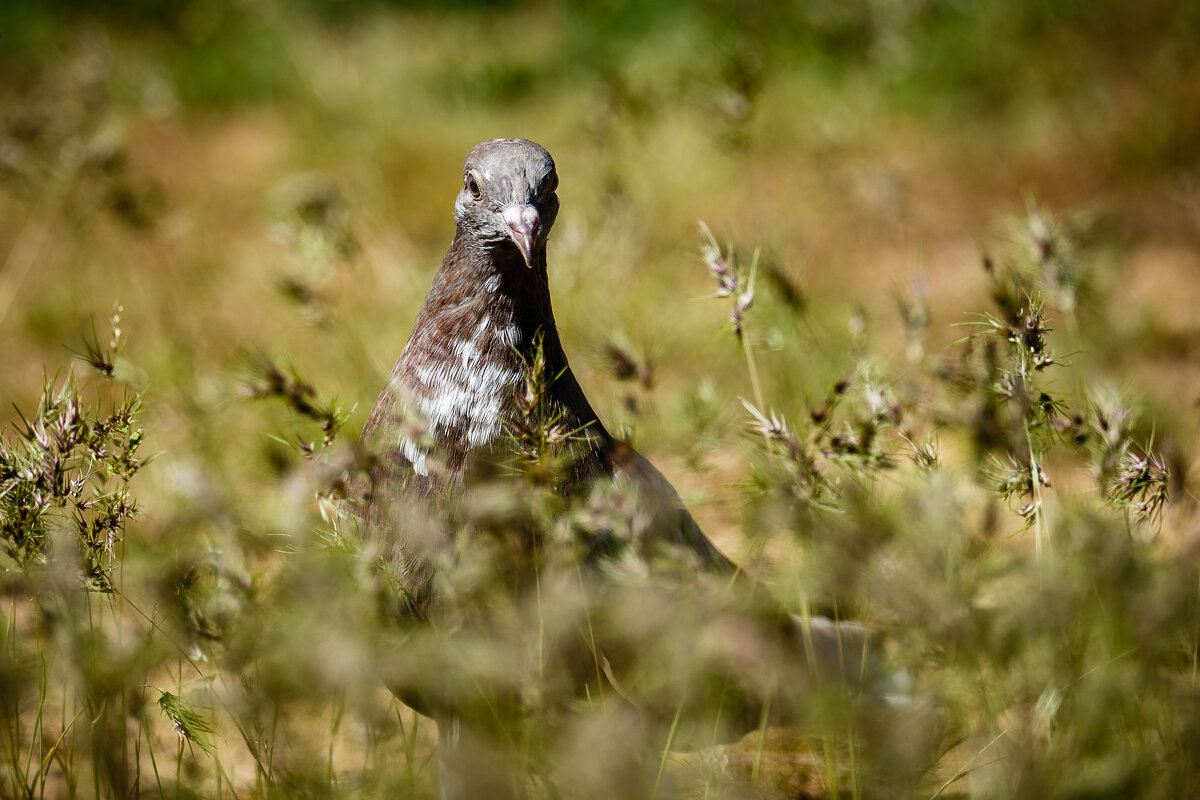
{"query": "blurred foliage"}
(980, 58)
(1011, 504)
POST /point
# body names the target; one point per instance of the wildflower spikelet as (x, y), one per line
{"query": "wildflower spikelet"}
(189, 725)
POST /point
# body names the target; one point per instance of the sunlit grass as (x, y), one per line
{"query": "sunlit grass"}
(1013, 514)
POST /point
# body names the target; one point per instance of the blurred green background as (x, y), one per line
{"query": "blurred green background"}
(226, 179)
(278, 177)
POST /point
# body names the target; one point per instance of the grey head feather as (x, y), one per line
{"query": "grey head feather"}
(502, 177)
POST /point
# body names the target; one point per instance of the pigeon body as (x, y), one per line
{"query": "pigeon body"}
(488, 310)
(444, 416)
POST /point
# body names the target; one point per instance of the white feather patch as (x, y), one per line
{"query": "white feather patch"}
(464, 393)
(415, 455)
(510, 335)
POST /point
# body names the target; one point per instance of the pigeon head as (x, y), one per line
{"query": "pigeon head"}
(507, 198)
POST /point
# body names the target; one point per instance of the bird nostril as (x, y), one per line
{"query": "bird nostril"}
(522, 219)
(523, 224)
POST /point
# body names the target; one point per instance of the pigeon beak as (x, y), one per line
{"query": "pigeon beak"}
(523, 222)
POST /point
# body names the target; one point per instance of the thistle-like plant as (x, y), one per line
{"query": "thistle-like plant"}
(68, 466)
(268, 380)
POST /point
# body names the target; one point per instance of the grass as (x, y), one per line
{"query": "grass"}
(921, 399)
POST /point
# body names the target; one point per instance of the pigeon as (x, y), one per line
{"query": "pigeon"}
(489, 307)
(445, 418)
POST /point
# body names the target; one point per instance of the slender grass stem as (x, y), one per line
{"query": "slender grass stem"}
(154, 767)
(592, 646)
(747, 348)
(338, 710)
(831, 768)
(762, 741)
(666, 752)
(966, 768)
(1038, 510)
(855, 783)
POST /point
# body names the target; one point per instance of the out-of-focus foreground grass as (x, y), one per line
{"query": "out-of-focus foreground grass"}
(227, 183)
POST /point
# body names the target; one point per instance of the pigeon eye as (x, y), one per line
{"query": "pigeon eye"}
(473, 186)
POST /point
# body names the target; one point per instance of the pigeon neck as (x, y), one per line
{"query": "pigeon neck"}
(518, 297)
(515, 296)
